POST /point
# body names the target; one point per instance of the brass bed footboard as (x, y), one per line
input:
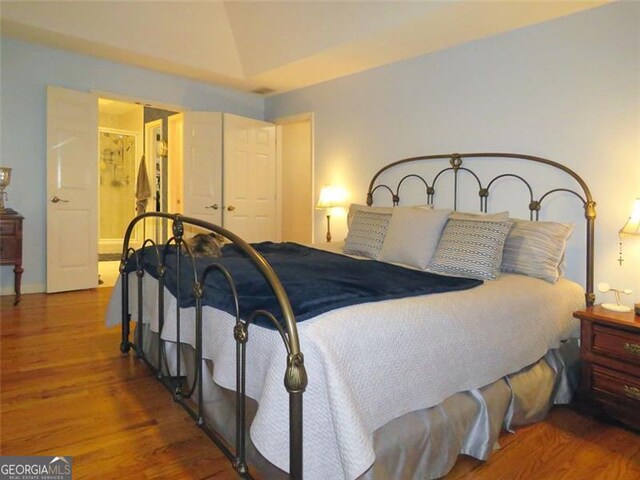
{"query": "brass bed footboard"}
(295, 378)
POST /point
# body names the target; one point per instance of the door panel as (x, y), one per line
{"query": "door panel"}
(202, 165)
(250, 178)
(72, 194)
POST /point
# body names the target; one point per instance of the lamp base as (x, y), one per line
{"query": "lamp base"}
(614, 307)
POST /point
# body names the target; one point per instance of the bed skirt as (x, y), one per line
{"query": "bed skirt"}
(425, 443)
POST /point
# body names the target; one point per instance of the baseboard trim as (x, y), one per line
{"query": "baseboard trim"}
(24, 289)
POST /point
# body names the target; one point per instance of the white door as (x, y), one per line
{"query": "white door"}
(72, 194)
(249, 178)
(202, 165)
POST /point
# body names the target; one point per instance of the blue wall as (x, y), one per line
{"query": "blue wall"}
(567, 89)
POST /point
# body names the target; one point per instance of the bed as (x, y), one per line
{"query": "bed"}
(395, 384)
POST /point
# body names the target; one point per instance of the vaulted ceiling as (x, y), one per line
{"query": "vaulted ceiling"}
(274, 45)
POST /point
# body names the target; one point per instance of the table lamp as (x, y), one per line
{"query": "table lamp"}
(329, 197)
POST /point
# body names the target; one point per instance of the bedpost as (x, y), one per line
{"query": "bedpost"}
(124, 344)
(590, 215)
(296, 383)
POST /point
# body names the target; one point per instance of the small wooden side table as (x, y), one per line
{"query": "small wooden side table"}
(610, 351)
(11, 245)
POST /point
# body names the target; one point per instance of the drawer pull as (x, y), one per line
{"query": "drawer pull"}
(632, 392)
(633, 348)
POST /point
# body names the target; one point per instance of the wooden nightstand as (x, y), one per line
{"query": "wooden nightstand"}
(610, 351)
(11, 245)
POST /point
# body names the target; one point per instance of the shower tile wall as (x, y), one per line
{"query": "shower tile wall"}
(120, 127)
(117, 183)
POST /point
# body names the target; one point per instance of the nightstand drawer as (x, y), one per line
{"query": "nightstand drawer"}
(616, 343)
(8, 250)
(618, 384)
(8, 229)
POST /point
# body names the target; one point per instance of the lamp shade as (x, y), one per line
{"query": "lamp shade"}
(329, 197)
(632, 227)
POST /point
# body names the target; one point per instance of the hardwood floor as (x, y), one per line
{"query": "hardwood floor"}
(66, 390)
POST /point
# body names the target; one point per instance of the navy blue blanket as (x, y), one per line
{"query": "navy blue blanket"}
(315, 281)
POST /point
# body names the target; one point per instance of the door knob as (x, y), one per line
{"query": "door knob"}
(214, 206)
(55, 199)
(231, 208)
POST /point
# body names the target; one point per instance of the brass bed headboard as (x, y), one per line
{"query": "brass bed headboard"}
(456, 168)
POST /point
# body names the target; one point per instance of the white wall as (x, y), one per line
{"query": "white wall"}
(26, 71)
(568, 90)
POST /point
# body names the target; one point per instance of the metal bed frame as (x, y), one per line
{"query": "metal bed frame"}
(295, 377)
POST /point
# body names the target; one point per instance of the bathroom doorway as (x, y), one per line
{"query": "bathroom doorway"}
(132, 159)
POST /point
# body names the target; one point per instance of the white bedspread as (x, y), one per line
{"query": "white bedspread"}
(370, 363)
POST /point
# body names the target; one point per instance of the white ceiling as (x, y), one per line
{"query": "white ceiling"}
(279, 45)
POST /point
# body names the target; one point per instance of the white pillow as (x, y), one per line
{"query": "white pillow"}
(413, 236)
(536, 249)
(367, 233)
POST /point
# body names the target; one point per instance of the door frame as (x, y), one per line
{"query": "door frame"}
(289, 119)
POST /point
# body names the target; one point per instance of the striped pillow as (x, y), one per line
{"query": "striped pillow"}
(367, 233)
(536, 249)
(471, 248)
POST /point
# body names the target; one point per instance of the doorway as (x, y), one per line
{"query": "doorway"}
(296, 152)
(132, 138)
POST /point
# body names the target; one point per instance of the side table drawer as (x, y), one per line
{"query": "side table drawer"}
(8, 250)
(617, 384)
(8, 228)
(616, 343)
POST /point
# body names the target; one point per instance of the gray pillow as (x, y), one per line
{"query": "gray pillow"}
(413, 236)
(367, 233)
(355, 207)
(536, 249)
(471, 248)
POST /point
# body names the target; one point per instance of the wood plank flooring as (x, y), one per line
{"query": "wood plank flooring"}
(66, 390)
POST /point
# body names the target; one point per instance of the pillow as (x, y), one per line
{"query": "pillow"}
(479, 216)
(413, 236)
(354, 207)
(536, 249)
(471, 248)
(366, 234)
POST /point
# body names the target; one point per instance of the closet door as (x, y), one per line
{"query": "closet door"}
(201, 139)
(72, 194)
(249, 179)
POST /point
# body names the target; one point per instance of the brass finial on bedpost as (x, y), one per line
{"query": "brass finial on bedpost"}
(296, 375)
(177, 228)
(590, 210)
